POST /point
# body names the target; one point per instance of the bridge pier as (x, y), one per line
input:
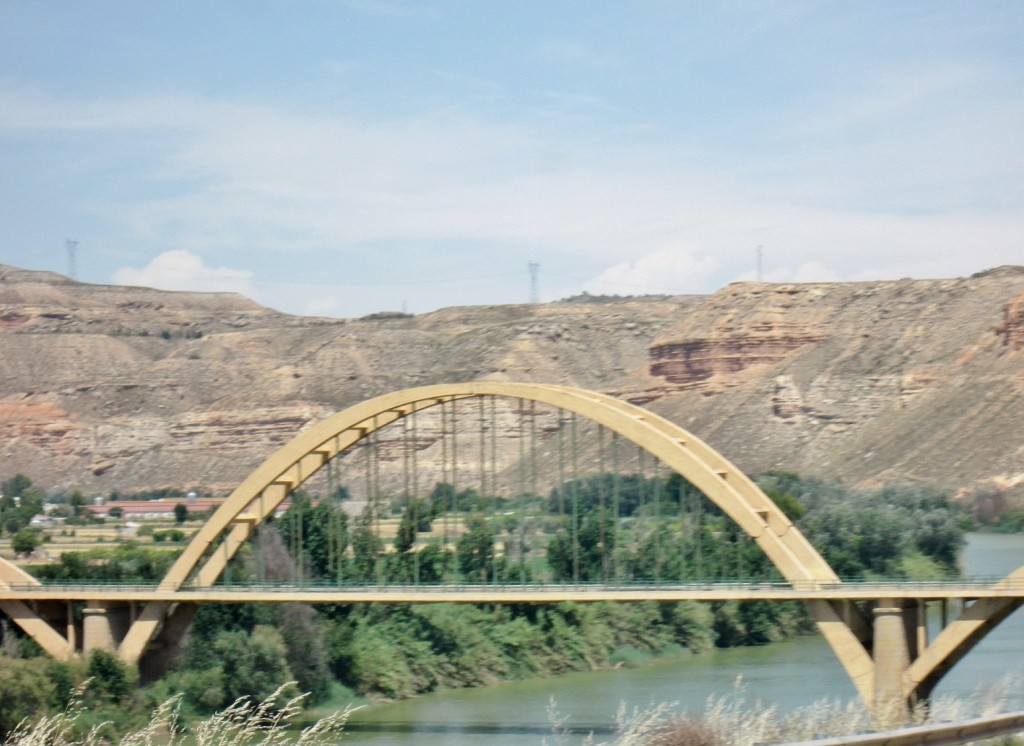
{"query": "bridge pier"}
(891, 651)
(885, 647)
(71, 629)
(166, 645)
(881, 644)
(104, 625)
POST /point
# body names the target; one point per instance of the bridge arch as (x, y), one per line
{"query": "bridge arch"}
(293, 464)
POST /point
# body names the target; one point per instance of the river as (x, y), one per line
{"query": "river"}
(789, 674)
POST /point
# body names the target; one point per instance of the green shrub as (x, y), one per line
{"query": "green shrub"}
(25, 691)
(629, 657)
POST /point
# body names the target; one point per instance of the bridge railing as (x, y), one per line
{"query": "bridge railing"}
(976, 583)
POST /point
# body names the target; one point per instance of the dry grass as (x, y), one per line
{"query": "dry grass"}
(686, 732)
(241, 724)
(732, 720)
(727, 721)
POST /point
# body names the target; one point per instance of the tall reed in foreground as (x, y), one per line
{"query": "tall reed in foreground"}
(732, 720)
(243, 723)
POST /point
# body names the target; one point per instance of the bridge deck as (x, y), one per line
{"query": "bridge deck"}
(515, 593)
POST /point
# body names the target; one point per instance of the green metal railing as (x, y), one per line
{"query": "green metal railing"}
(977, 583)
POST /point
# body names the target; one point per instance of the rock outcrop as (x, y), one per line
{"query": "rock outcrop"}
(1012, 328)
(868, 382)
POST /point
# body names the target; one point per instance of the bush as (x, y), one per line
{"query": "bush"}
(109, 678)
(171, 535)
(254, 664)
(629, 657)
(25, 691)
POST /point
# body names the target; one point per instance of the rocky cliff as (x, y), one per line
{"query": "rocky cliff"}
(114, 388)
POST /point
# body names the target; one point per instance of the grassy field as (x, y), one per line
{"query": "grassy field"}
(58, 540)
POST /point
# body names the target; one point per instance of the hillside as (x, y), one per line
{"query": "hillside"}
(116, 388)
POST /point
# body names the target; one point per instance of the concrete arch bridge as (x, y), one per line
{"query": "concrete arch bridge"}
(502, 437)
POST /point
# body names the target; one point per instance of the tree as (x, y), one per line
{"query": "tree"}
(109, 677)
(14, 487)
(367, 547)
(254, 664)
(865, 532)
(306, 649)
(475, 549)
(654, 553)
(594, 542)
(25, 541)
(442, 498)
(415, 518)
(271, 556)
(19, 501)
(77, 502)
(692, 623)
(434, 562)
(317, 536)
(180, 512)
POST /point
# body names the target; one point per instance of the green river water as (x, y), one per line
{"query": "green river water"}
(789, 674)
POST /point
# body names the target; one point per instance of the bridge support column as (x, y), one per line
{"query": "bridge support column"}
(104, 625)
(916, 620)
(72, 634)
(96, 631)
(891, 654)
(160, 653)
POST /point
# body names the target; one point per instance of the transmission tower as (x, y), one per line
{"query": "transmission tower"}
(534, 281)
(72, 247)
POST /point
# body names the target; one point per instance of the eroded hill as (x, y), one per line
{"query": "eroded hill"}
(115, 388)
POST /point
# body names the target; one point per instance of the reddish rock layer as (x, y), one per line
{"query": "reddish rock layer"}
(1012, 328)
(689, 363)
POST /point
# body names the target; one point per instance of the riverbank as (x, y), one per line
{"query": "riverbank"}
(396, 652)
(787, 675)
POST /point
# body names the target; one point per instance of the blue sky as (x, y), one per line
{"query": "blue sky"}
(339, 157)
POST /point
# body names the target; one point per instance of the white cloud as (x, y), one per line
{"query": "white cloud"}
(805, 272)
(183, 270)
(667, 271)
